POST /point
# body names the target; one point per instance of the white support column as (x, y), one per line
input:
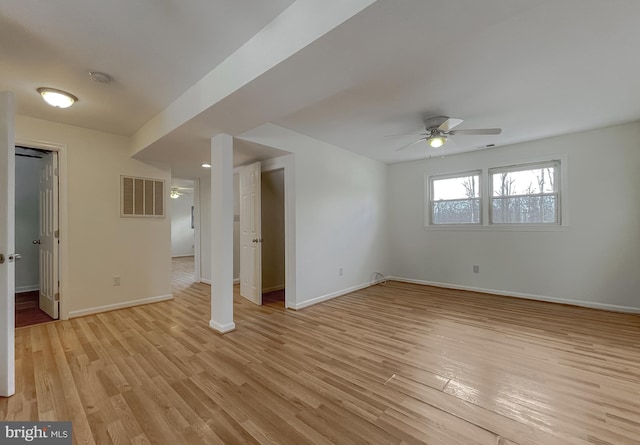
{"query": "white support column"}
(222, 233)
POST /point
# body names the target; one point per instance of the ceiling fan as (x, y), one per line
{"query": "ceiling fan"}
(440, 127)
(177, 192)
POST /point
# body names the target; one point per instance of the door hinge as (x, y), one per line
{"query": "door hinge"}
(56, 297)
(56, 234)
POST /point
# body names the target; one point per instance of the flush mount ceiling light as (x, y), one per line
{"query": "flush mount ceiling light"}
(57, 98)
(206, 165)
(100, 77)
(436, 141)
(174, 194)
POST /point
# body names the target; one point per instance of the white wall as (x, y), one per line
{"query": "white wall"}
(273, 230)
(340, 214)
(593, 261)
(27, 217)
(182, 235)
(100, 243)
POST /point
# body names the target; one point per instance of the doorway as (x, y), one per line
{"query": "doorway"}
(36, 236)
(273, 236)
(278, 212)
(183, 233)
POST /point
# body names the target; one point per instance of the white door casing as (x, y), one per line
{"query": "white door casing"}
(7, 244)
(49, 235)
(250, 234)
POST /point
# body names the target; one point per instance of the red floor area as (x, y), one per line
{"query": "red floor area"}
(27, 311)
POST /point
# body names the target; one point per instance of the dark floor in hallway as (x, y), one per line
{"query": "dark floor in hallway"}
(28, 311)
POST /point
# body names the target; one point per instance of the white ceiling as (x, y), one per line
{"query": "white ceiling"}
(535, 68)
(154, 50)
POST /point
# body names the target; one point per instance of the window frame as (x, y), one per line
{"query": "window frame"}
(430, 192)
(563, 191)
(558, 186)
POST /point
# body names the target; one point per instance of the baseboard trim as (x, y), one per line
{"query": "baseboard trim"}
(182, 256)
(29, 288)
(115, 306)
(580, 303)
(272, 288)
(222, 328)
(330, 296)
(205, 281)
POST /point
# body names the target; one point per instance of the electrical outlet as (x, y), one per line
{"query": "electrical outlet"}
(116, 280)
(340, 272)
(476, 269)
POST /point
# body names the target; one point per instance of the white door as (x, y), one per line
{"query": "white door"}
(7, 244)
(48, 235)
(250, 234)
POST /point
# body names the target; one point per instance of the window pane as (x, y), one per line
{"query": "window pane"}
(525, 194)
(534, 209)
(459, 211)
(456, 200)
(462, 187)
(525, 182)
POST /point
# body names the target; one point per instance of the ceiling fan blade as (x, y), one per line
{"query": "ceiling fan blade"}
(449, 124)
(404, 134)
(435, 122)
(477, 131)
(412, 143)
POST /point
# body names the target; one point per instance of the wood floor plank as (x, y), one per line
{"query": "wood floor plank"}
(390, 364)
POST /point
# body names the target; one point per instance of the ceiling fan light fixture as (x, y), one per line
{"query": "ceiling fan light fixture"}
(174, 194)
(57, 98)
(436, 141)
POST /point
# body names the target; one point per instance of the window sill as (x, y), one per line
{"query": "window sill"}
(498, 228)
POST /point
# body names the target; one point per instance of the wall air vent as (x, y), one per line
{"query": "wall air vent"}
(141, 197)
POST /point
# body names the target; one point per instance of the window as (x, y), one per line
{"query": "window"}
(455, 199)
(525, 194)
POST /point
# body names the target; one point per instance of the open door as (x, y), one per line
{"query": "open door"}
(250, 234)
(48, 235)
(7, 244)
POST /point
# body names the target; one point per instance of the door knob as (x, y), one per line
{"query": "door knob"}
(15, 257)
(1, 258)
(36, 241)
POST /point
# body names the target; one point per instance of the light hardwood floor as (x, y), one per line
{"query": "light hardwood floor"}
(391, 364)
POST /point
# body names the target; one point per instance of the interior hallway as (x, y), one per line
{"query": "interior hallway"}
(183, 272)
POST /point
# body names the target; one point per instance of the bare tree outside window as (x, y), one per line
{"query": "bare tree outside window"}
(524, 194)
(455, 200)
